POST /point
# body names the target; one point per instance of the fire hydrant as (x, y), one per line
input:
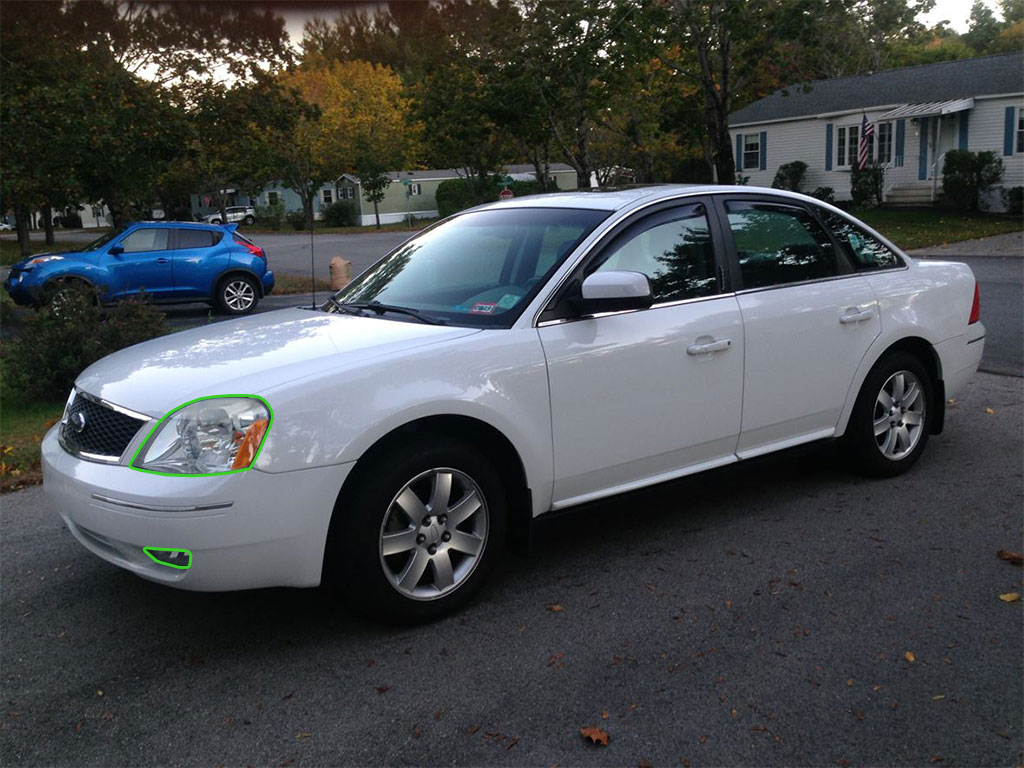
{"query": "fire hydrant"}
(341, 273)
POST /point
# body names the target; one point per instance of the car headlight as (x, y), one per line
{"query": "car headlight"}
(44, 259)
(209, 436)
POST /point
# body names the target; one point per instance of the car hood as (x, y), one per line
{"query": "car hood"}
(248, 356)
(89, 256)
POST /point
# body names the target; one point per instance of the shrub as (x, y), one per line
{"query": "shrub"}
(825, 194)
(456, 195)
(741, 180)
(965, 175)
(53, 347)
(866, 185)
(270, 216)
(297, 219)
(790, 176)
(1014, 200)
(341, 213)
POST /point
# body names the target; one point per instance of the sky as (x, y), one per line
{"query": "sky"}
(957, 12)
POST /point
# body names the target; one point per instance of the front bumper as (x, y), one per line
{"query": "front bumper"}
(246, 530)
(16, 285)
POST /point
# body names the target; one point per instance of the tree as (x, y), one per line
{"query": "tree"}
(375, 183)
(983, 28)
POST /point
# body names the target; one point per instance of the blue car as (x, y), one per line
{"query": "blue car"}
(169, 261)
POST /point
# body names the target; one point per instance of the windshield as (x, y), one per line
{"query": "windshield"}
(102, 240)
(480, 269)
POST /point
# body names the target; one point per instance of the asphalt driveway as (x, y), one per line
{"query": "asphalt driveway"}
(779, 612)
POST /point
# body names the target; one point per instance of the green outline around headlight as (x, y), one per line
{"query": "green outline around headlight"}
(150, 550)
(145, 443)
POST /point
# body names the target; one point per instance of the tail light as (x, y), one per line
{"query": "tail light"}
(250, 246)
(976, 306)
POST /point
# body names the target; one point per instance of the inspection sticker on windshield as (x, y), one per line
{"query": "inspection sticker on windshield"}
(508, 300)
(483, 308)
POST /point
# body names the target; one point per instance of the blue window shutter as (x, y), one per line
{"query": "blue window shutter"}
(1011, 114)
(764, 150)
(964, 119)
(901, 138)
(739, 152)
(828, 146)
(922, 154)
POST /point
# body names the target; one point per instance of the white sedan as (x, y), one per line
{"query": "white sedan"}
(515, 359)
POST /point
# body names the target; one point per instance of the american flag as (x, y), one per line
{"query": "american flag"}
(867, 135)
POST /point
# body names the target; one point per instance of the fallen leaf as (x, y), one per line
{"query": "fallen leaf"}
(733, 712)
(604, 715)
(1010, 597)
(936, 759)
(849, 681)
(99, 691)
(596, 735)
(303, 735)
(703, 739)
(555, 608)
(439, 713)
(728, 603)
(910, 657)
(383, 688)
(939, 697)
(859, 714)
(990, 411)
(1013, 558)
(473, 729)
(644, 763)
(951, 402)
(287, 696)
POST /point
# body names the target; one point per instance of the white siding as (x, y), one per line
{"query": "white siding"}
(805, 140)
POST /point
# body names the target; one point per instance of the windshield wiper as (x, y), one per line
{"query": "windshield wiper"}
(350, 309)
(379, 308)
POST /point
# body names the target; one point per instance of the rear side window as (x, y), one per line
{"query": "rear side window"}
(866, 252)
(779, 244)
(197, 238)
(142, 240)
(676, 255)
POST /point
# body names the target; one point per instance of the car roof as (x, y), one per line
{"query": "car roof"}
(176, 224)
(621, 199)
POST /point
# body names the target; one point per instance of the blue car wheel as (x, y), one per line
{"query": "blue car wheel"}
(237, 294)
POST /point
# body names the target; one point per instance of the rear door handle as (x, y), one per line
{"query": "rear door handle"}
(855, 316)
(711, 346)
(162, 260)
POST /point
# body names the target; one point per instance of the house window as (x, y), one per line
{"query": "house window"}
(751, 150)
(415, 189)
(1020, 130)
(328, 197)
(883, 135)
(272, 198)
(348, 193)
(97, 212)
(846, 146)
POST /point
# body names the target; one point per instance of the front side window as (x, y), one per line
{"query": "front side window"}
(779, 244)
(866, 252)
(676, 255)
(478, 269)
(751, 150)
(142, 240)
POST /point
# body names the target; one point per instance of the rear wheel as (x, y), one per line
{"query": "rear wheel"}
(237, 295)
(249, 220)
(891, 420)
(420, 532)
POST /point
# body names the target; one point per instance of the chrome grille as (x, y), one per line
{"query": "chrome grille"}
(93, 429)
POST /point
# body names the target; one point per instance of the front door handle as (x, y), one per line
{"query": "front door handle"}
(162, 260)
(709, 347)
(855, 316)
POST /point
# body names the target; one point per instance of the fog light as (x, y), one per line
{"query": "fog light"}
(172, 558)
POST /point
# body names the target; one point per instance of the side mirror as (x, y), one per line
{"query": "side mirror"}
(613, 292)
(116, 250)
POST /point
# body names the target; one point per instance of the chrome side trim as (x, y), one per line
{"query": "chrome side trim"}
(678, 303)
(158, 508)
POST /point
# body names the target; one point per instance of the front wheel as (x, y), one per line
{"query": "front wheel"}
(891, 420)
(249, 220)
(237, 295)
(421, 531)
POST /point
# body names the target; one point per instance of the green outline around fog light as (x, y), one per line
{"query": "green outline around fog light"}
(150, 550)
(145, 443)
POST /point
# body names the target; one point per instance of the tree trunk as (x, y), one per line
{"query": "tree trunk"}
(47, 213)
(21, 222)
(724, 160)
(376, 213)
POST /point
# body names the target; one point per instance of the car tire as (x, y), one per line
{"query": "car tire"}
(420, 532)
(237, 295)
(215, 221)
(891, 419)
(63, 294)
(249, 220)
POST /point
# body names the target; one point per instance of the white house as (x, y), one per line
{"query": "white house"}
(919, 113)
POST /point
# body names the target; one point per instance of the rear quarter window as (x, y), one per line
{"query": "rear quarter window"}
(197, 238)
(866, 252)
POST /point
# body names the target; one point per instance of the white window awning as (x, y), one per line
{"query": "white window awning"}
(929, 109)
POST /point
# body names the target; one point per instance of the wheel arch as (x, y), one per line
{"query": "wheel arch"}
(491, 441)
(237, 270)
(924, 351)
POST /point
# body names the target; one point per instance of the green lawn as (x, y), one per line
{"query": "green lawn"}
(10, 251)
(22, 425)
(912, 228)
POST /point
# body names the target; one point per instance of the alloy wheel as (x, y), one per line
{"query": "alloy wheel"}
(899, 414)
(239, 295)
(434, 534)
